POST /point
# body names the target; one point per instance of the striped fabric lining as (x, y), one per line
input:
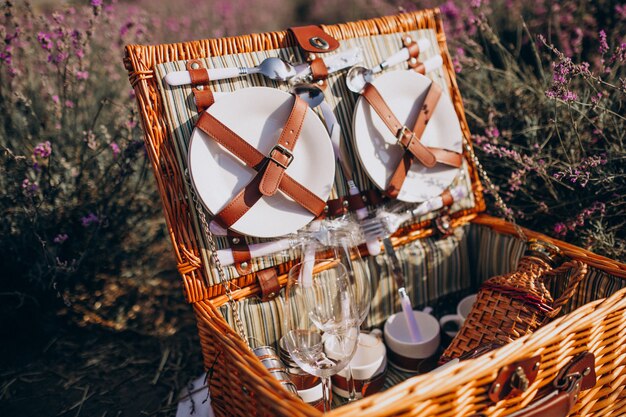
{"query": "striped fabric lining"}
(434, 269)
(181, 116)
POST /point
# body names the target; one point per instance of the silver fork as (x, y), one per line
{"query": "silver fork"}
(385, 223)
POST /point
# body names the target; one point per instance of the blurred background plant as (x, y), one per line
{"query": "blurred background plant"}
(82, 239)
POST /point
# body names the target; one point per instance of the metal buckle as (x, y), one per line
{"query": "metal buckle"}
(280, 148)
(401, 133)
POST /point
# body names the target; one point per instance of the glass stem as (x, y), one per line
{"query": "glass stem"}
(326, 393)
(351, 385)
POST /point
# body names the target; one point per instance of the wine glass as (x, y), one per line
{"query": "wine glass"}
(339, 240)
(319, 310)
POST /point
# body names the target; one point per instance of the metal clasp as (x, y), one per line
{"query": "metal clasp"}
(319, 43)
(280, 148)
(401, 133)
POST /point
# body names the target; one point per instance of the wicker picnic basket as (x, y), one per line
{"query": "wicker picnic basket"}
(575, 363)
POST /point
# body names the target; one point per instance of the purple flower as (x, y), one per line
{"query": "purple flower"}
(60, 238)
(96, 3)
(89, 219)
(56, 99)
(69, 104)
(43, 149)
(604, 46)
(45, 40)
(29, 187)
(492, 132)
(82, 75)
(115, 148)
(450, 10)
(560, 229)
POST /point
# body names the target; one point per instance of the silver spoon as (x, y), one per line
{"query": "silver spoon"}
(358, 75)
(272, 67)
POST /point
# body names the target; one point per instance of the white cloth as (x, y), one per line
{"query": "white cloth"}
(195, 400)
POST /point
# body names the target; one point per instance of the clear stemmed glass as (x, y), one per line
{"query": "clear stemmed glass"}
(339, 240)
(319, 310)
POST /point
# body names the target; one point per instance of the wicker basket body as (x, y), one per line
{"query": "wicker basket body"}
(241, 386)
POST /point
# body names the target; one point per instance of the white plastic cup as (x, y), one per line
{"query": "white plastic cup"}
(368, 362)
(462, 311)
(405, 354)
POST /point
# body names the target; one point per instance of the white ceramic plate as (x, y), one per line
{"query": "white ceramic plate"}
(376, 147)
(257, 115)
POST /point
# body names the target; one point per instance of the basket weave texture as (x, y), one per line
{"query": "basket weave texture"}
(510, 306)
(241, 386)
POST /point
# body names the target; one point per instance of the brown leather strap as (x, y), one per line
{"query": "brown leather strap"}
(199, 76)
(204, 98)
(280, 156)
(446, 198)
(446, 157)
(365, 387)
(197, 72)
(243, 201)
(268, 180)
(313, 39)
(414, 51)
(319, 71)
(241, 253)
(442, 156)
(268, 281)
(255, 159)
(404, 134)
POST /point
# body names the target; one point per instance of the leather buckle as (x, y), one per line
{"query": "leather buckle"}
(280, 148)
(401, 133)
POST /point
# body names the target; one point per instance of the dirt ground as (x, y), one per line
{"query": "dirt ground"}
(127, 350)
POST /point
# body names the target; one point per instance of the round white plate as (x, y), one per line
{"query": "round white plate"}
(377, 148)
(258, 115)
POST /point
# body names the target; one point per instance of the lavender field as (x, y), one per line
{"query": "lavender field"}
(92, 317)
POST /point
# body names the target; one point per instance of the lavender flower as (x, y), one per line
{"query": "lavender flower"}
(89, 219)
(43, 150)
(604, 46)
(60, 238)
(82, 75)
(30, 188)
(45, 40)
(115, 148)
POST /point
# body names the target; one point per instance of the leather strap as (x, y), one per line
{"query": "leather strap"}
(280, 156)
(411, 139)
(319, 71)
(313, 39)
(365, 387)
(204, 98)
(251, 157)
(414, 51)
(241, 253)
(268, 281)
(446, 198)
(199, 77)
(405, 136)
